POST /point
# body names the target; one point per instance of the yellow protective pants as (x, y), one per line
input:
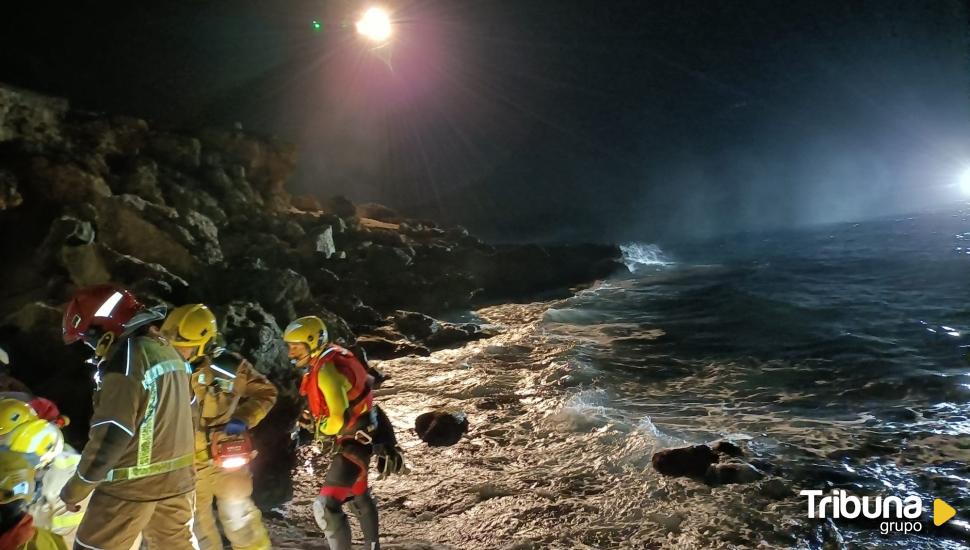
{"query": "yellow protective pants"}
(113, 524)
(241, 520)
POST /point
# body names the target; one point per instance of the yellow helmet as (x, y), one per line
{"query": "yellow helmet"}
(16, 478)
(14, 412)
(39, 439)
(191, 325)
(309, 330)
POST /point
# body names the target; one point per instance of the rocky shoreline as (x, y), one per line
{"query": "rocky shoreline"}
(204, 216)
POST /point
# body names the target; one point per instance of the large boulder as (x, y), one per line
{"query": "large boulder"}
(123, 225)
(441, 428)
(340, 206)
(177, 150)
(434, 333)
(278, 290)
(85, 264)
(252, 331)
(323, 242)
(307, 203)
(382, 347)
(684, 461)
(378, 212)
(65, 182)
(734, 471)
(141, 178)
(30, 117)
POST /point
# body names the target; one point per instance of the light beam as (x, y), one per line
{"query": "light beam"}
(375, 25)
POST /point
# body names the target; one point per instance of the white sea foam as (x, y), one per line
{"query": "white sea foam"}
(640, 256)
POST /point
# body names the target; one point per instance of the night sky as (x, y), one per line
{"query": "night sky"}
(555, 119)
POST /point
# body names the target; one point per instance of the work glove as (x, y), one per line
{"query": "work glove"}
(235, 427)
(390, 461)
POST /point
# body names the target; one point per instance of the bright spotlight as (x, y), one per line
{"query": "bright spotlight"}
(375, 25)
(965, 182)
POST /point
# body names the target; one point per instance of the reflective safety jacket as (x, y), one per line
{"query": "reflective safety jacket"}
(338, 391)
(140, 444)
(226, 386)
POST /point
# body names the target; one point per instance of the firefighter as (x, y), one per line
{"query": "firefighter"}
(231, 397)
(17, 486)
(138, 462)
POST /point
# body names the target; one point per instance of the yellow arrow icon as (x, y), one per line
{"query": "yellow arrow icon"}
(942, 512)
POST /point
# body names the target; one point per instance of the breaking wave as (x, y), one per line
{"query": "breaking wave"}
(639, 256)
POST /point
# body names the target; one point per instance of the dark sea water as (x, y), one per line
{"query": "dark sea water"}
(837, 355)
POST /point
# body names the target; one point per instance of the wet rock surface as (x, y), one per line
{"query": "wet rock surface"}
(536, 469)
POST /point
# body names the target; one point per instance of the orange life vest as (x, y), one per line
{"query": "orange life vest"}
(359, 397)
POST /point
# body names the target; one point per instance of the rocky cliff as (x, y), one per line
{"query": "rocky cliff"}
(204, 216)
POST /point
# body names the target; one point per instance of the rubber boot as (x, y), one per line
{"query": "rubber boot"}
(333, 521)
(366, 510)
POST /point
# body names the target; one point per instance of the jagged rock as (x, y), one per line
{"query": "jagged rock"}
(727, 448)
(142, 180)
(385, 260)
(732, 472)
(378, 212)
(353, 310)
(130, 134)
(323, 281)
(433, 333)
(307, 203)
(30, 117)
(684, 461)
(267, 163)
(323, 242)
(292, 231)
(449, 334)
(252, 331)
(84, 264)
(184, 199)
(776, 489)
(177, 150)
(68, 231)
(379, 347)
(123, 227)
(340, 206)
(441, 428)
(416, 326)
(276, 289)
(10, 197)
(145, 278)
(66, 182)
(36, 317)
(205, 234)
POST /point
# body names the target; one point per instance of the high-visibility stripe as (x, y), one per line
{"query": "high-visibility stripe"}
(163, 467)
(129, 432)
(163, 368)
(78, 541)
(146, 432)
(223, 371)
(108, 306)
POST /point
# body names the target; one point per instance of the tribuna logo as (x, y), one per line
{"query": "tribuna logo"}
(907, 511)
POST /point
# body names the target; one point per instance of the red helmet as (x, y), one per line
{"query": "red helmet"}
(103, 307)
